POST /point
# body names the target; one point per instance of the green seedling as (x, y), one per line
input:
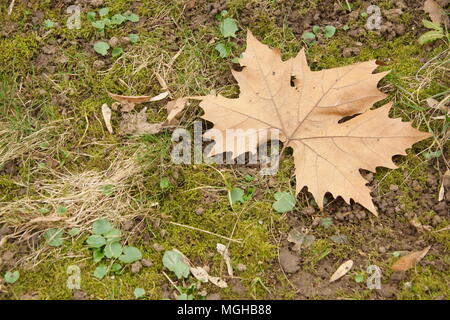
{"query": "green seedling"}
(228, 28)
(437, 32)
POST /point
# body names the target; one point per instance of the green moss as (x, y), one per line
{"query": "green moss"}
(16, 54)
(426, 284)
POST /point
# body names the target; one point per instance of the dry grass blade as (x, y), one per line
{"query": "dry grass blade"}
(81, 194)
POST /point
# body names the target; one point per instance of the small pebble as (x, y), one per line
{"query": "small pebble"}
(136, 267)
(393, 187)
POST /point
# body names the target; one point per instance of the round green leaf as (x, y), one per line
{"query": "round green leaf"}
(132, 17)
(285, 202)
(101, 226)
(101, 271)
(98, 24)
(228, 28)
(73, 232)
(53, 237)
(116, 52)
(11, 277)
(359, 278)
(113, 250)
(116, 267)
(130, 255)
(236, 195)
(139, 293)
(133, 37)
(316, 29)
(96, 241)
(308, 36)
(329, 31)
(164, 183)
(61, 210)
(48, 24)
(97, 255)
(223, 50)
(103, 12)
(173, 261)
(118, 19)
(91, 15)
(101, 47)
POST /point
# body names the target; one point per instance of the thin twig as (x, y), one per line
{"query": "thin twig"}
(205, 231)
(11, 6)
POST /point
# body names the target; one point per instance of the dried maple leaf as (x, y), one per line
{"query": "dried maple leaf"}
(327, 154)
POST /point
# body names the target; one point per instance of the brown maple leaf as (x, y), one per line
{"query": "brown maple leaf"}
(327, 154)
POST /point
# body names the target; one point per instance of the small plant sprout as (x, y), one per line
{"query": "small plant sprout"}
(48, 24)
(437, 32)
(53, 237)
(101, 21)
(329, 31)
(139, 293)
(133, 37)
(116, 52)
(105, 243)
(12, 276)
(173, 261)
(101, 47)
(285, 202)
(236, 195)
(228, 28)
(317, 31)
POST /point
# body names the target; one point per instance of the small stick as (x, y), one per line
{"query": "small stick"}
(205, 231)
(11, 6)
(171, 282)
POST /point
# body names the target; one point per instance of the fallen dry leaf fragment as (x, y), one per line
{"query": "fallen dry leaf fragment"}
(342, 270)
(199, 273)
(106, 112)
(436, 12)
(137, 124)
(327, 154)
(223, 251)
(173, 109)
(129, 99)
(160, 96)
(410, 260)
(218, 282)
(419, 226)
